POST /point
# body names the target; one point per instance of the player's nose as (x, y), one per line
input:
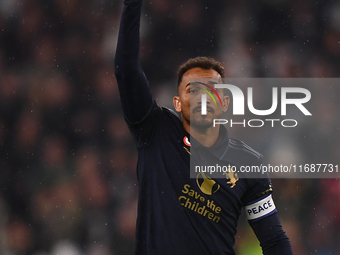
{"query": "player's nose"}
(204, 98)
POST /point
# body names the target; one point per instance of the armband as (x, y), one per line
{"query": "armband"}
(260, 208)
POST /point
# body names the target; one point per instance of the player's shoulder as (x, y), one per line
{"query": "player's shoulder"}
(245, 148)
(170, 112)
(171, 115)
(156, 114)
(243, 152)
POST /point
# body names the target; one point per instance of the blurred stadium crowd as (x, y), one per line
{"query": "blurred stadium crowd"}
(67, 163)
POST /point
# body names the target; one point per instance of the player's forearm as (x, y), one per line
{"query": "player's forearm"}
(273, 239)
(133, 86)
(280, 246)
(127, 53)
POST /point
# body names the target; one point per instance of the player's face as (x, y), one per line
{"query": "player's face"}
(189, 99)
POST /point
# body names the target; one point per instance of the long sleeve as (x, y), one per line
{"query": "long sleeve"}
(133, 86)
(273, 239)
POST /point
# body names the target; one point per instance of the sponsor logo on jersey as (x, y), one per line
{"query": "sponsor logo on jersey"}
(207, 185)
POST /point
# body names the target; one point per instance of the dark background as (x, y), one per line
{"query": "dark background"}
(67, 160)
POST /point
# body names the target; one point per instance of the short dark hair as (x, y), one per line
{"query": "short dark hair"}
(206, 63)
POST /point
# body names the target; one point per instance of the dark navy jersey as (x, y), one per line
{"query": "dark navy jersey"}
(178, 214)
(182, 215)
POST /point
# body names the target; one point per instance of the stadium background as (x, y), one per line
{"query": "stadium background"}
(67, 161)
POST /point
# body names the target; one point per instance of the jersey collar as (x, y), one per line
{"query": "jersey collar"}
(219, 149)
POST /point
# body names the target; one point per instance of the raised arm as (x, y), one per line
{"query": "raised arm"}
(133, 86)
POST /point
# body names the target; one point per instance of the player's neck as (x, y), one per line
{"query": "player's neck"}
(207, 137)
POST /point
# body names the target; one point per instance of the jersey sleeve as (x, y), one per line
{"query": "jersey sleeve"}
(262, 216)
(272, 237)
(133, 86)
(258, 202)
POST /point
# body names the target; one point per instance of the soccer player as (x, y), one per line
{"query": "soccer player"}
(178, 214)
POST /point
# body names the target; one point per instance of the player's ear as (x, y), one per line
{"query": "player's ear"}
(225, 103)
(177, 104)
